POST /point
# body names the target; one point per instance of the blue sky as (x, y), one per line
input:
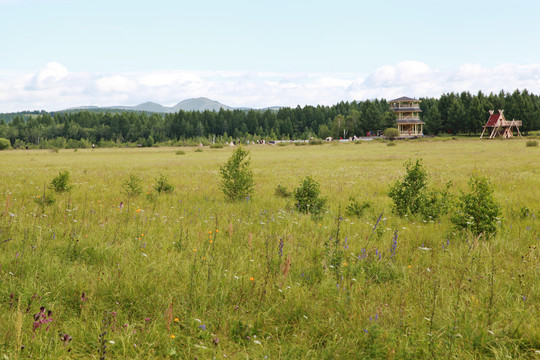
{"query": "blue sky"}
(56, 54)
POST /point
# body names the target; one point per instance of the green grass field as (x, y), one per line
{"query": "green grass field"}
(189, 275)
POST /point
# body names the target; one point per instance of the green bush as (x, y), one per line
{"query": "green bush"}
(355, 208)
(407, 192)
(529, 143)
(132, 186)
(180, 152)
(60, 182)
(237, 178)
(46, 200)
(198, 150)
(435, 203)
(163, 185)
(216, 146)
(391, 133)
(282, 191)
(477, 210)
(307, 197)
(412, 196)
(4, 144)
(391, 144)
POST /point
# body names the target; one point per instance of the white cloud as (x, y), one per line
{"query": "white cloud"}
(53, 87)
(48, 76)
(116, 83)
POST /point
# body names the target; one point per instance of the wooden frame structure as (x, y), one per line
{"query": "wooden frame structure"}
(501, 126)
(408, 116)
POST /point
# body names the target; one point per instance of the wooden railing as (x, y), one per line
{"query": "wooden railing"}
(413, 117)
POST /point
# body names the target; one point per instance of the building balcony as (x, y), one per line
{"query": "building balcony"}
(405, 109)
(408, 117)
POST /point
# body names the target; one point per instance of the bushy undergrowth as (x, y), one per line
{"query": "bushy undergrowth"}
(411, 194)
(133, 186)
(61, 182)
(163, 185)
(4, 144)
(282, 191)
(307, 196)
(356, 208)
(188, 275)
(477, 211)
(236, 176)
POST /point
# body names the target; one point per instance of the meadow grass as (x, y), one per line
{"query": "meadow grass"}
(188, 274)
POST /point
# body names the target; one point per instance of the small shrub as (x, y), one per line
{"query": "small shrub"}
(391, 144)
(163, 185)
(391, 133)
(477, 210)
(524, 212)
(434, 203)
(4, 144)
(237, 178)
(412, 196)
(407, 193)
(531, 143)
(283, 144)
(282, 191)
(132, 186)
(300, 143)
(355, 208)
(198, 150)
(307, 197)
(60, 182)
(180, 152)
(216, 146)
(316, 142)
(46, 200)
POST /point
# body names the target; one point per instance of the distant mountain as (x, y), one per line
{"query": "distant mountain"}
(195, 104)
(199, 104)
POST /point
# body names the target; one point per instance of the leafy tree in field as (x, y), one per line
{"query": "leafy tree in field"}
(338, 127)
(61, 182)
(237, 177)
(476, 117)
(433, 120)
(477, 210)
(4, 144)
(307, 197)
(411, 194)
(324, 131)
(407, 192)
(391, 133)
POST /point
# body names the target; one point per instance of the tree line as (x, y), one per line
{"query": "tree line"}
(452, 113)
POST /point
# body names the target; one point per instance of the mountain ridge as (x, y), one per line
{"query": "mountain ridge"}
(192, 104)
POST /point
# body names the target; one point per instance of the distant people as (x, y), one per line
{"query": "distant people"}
(93, 146)
(26, 146)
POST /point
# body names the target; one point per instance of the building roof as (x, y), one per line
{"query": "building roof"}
(493, 119)
(404, 98)
(410, 121)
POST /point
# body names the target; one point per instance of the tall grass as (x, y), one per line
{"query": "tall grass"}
(188, 274)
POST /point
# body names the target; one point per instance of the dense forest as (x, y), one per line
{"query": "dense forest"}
(452, 113)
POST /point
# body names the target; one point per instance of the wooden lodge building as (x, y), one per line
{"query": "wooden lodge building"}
(408, 120)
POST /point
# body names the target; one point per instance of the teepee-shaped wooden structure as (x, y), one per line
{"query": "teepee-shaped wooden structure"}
(501, 127)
